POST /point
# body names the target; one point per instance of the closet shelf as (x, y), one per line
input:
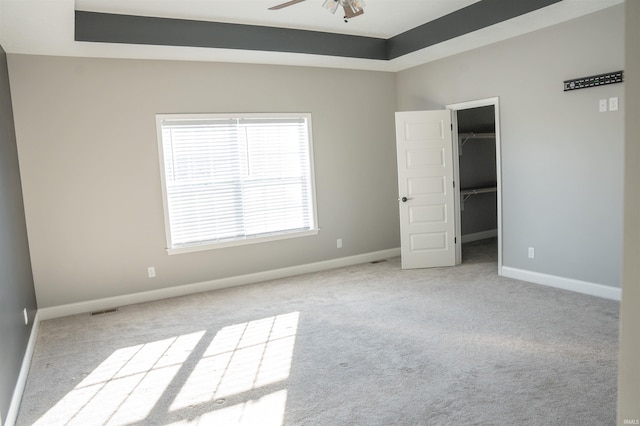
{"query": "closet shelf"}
(464, 137)
(468, 192)
(479, 190)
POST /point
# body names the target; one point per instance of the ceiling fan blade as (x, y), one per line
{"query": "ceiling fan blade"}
(287, 4)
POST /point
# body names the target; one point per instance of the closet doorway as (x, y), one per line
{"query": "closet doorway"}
(446, 158)
(478, 189)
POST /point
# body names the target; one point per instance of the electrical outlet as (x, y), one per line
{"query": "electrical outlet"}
(151, 271)
(26, 316)
(532, 253)
(339, 243)
(613, 104)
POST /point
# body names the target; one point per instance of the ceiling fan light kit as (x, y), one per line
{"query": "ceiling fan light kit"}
(352, 8)
(331, 5)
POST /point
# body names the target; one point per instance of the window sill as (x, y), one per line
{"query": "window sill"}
(242, 242)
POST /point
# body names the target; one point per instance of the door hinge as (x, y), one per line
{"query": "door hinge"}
(454, 183)
(455, 240)
(452, 127)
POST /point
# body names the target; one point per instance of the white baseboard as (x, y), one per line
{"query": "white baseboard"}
(477, 236)
(593, 289)
(164, 293)
(12, 414)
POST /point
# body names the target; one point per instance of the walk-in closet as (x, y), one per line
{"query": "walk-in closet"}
(478, 175)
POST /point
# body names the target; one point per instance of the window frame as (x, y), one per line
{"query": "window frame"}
(195, 247)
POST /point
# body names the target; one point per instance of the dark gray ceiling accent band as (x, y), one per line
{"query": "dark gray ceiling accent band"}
(129, 29)
(112, 28)
(463, 21)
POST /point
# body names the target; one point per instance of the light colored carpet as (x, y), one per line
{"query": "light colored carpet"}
(364, 345)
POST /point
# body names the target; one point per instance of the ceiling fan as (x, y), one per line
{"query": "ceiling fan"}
(352, 8)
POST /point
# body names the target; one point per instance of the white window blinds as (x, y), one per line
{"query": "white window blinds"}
(230, 179)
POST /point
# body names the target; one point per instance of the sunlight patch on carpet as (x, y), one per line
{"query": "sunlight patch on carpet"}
(132, 382)
(240, 358)
(186, 371)
(265, 411)
(127, 384)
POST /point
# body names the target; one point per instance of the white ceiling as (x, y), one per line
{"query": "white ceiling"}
(46, 27)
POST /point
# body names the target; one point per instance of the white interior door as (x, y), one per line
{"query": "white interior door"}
(426, 188)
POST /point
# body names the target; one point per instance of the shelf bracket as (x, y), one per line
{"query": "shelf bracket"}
(466, 193)
(463, 140)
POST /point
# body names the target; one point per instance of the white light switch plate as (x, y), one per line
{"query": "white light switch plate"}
(603, 105)
(613, 104)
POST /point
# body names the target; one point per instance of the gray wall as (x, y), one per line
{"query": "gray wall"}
(16, 281)
(88, 153)
(562, 160)
(629, 367)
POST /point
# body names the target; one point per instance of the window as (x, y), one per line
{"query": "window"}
(230, 180)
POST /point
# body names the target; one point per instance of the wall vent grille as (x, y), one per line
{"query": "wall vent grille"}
(105, 311)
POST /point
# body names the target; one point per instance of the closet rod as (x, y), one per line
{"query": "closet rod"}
(464, 137)
(466, 193)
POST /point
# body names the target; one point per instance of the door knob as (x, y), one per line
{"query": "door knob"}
(404, 199)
